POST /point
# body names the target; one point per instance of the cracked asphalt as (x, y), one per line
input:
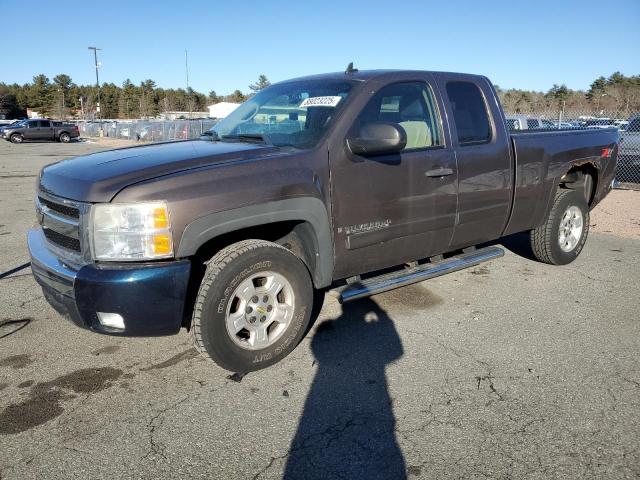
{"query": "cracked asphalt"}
(512, 369)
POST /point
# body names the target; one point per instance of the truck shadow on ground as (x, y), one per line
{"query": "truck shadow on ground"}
(518, 243)
(347, 429)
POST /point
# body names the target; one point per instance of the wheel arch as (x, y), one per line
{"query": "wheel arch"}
(582, 176)
(300, 224)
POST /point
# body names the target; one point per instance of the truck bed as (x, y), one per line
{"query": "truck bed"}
(541, 157)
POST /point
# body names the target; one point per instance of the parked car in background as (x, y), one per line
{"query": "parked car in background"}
(600, 123)
(621, 124)
(40, 130)
(629, 153)
(9, 124)
(525, 122)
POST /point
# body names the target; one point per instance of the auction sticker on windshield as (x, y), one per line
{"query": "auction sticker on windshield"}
(320, 102)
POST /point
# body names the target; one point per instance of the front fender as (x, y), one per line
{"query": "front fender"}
(308, 209)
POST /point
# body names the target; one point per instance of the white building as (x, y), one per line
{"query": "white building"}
(222, 109)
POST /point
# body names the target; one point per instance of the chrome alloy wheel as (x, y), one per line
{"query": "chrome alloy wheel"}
(260, 310)
(570, 230)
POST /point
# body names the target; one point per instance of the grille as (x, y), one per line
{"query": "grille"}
(62, 240)
(65, 210)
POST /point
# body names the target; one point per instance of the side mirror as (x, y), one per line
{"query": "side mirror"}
(379, 138)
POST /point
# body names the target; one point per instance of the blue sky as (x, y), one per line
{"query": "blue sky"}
(520, 44)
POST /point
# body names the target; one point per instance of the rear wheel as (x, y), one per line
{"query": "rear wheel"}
(253, 306)
(16, 138)
(561, 238)
(65, 137)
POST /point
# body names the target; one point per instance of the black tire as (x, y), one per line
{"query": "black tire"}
(16, 138)
(545, 242)
(224, 273)
(64, 137)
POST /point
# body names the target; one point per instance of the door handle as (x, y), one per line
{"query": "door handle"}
(439, 172)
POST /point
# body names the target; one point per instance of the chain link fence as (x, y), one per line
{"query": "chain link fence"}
(628, 123)
(146, 130)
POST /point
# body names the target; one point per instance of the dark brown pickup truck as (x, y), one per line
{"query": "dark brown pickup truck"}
(356, 182)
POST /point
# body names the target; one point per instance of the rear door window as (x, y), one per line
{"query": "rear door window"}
(469, 113)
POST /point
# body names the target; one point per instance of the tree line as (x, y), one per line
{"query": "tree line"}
(616, 94)
(62, 98)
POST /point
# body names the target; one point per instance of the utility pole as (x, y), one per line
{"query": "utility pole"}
(186, 67)
(598, 107)
(95, 59)
(62, 109)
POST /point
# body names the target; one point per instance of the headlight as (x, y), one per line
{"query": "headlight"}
(131, 231)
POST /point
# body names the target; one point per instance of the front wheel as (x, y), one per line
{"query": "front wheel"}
(561, 238)
(17, 138)
(253, 306)
(65, 137)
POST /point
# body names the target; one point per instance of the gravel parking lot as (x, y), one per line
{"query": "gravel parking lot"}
(512, 369)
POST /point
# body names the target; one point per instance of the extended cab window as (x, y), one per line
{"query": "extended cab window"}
(411, 106)
(469, 113)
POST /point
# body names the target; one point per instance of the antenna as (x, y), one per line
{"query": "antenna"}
(350, 69)
(186, 65)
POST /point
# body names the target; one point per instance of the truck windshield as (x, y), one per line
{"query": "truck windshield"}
(294, 114)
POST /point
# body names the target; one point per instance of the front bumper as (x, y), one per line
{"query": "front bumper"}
(150, 297)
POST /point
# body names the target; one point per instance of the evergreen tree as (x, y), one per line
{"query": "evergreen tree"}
(263, 82)
(236, 97)
(62, 86)
(213, 97)
(39, 96)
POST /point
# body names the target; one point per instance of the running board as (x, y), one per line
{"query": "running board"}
(390, 281)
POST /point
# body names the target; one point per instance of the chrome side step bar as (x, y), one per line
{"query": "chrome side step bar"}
(393, 280)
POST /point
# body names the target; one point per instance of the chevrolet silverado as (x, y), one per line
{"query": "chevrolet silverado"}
(355, 182)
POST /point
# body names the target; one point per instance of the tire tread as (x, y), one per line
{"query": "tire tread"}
(214, 266)
(540, 237)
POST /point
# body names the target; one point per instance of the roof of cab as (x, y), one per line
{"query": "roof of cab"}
(365, 75)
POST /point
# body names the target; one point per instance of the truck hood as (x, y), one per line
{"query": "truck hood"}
(98, 177)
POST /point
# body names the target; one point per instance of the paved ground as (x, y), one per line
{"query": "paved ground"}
(513, 369)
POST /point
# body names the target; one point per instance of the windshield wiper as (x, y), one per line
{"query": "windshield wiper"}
(252, 137)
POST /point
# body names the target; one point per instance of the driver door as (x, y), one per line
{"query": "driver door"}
(394, 208)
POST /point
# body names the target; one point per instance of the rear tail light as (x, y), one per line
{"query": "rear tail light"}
(606, 152)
